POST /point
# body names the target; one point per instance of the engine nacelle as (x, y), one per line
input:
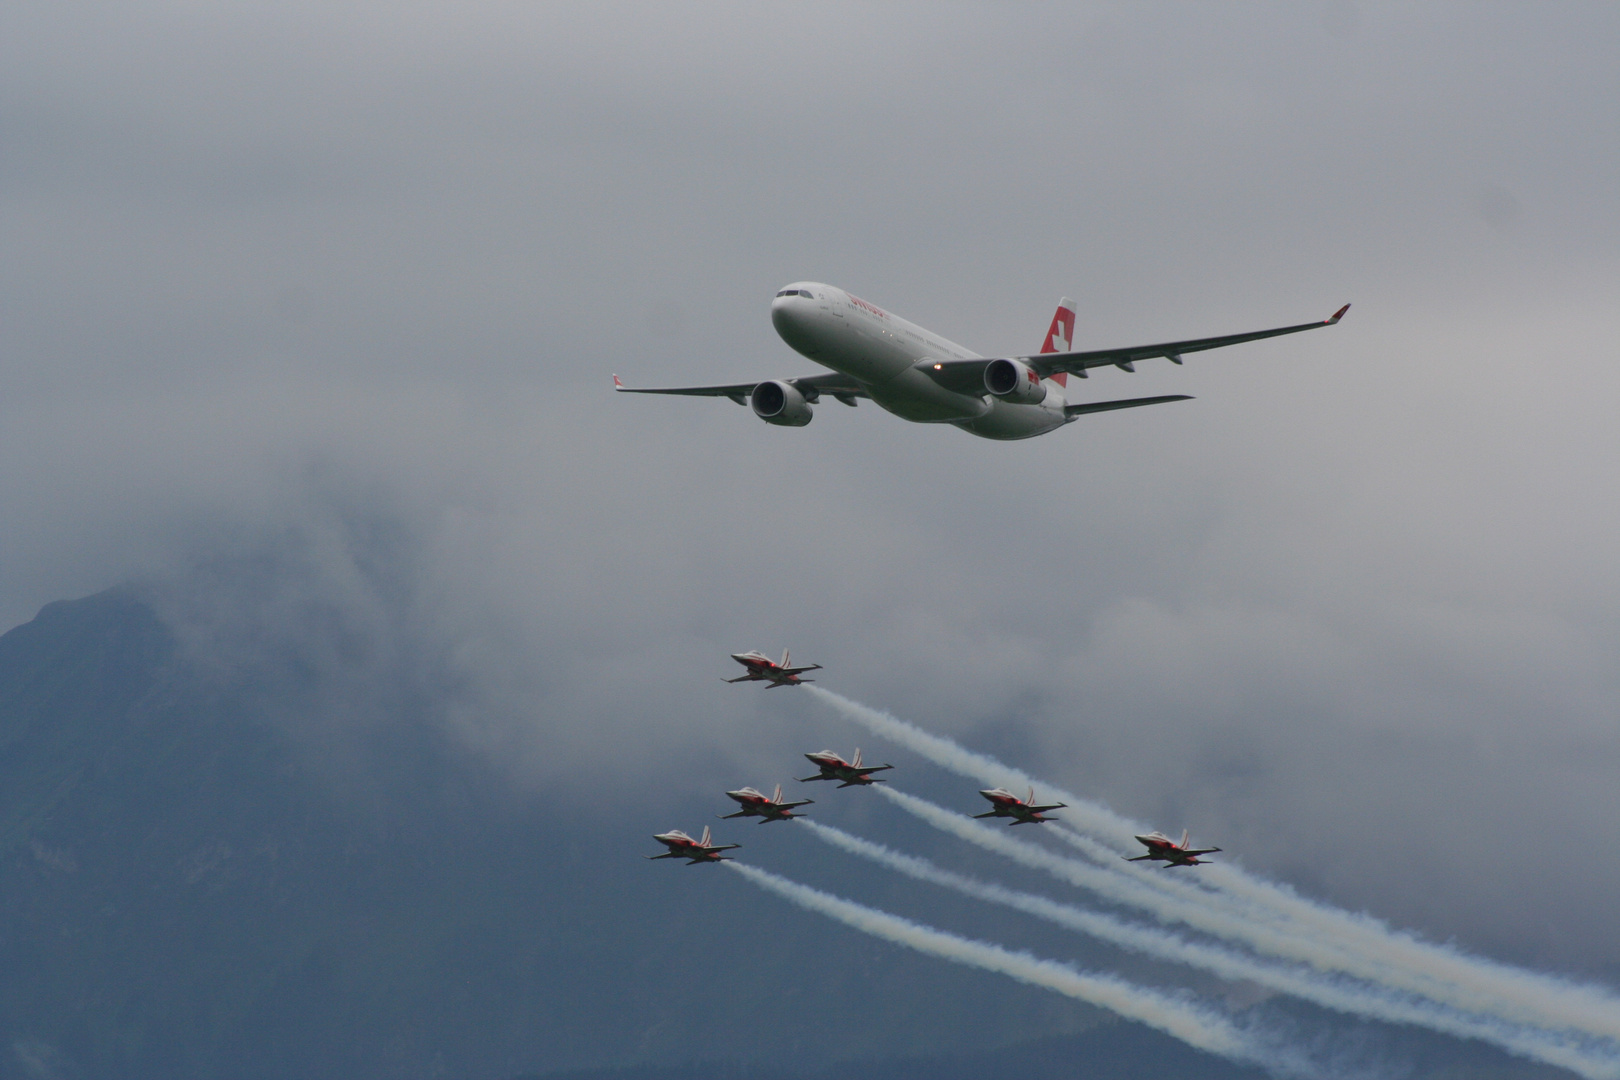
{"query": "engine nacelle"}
(780, 403)
(1014, 381)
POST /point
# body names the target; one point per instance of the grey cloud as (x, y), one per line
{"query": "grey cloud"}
(278, 278)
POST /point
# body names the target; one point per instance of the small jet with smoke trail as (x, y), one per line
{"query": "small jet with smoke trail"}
(1163, 849)
(693, 851)
(755, 804)
(762, 668)
(847, 773)
(1004, 803)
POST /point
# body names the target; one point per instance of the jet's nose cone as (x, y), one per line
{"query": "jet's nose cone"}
(787, 314)
(793, 314)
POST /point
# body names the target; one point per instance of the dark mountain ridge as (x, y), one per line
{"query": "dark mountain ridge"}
(205, 873)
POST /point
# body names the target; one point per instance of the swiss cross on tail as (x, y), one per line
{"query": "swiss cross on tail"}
(1060, 337)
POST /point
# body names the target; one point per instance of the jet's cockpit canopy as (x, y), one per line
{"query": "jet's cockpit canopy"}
(806, 293)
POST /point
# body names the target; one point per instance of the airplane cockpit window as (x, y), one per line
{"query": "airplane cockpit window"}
(788, 292)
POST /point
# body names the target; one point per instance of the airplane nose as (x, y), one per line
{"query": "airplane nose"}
(792, 316)
(785, 311)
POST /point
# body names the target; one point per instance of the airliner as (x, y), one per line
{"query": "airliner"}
(920, 376)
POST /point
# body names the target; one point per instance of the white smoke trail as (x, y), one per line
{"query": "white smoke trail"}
(959, 759)
(1207, 918)
(1376, 951)
(1322, 956)
(1192, 1024)
(1357, 999)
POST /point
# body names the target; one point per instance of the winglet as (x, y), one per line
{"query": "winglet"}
(617, 385)
(1337, 315)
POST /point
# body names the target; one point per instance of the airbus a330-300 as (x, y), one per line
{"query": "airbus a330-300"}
(918, 375)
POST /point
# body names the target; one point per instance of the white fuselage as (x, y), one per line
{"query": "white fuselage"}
(889, 357)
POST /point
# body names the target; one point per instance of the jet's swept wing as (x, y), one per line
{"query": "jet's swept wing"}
(1077, 362)
(842, 387)
(967, 376)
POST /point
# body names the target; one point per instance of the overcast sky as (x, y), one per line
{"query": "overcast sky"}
(294, 277)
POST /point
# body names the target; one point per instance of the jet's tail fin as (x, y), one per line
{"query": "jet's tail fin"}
(1060, 335)
(857, 762)
(784, 658)
(778, 796)
(1185, 836)
(705, 840)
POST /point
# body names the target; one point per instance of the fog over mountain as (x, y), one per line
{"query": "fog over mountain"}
(310, 319)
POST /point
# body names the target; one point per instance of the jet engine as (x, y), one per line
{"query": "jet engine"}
(780, 403)
(1014, 381)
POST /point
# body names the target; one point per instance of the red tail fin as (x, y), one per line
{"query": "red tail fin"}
(1060, 336)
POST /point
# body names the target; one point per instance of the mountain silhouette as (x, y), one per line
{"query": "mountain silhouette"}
(206, 870)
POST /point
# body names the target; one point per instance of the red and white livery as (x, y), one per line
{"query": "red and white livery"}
(847, 773)
(693, 851)
(920, 376)
(755, 804)
(1004, 803)
(1163, 849)
(762, 668)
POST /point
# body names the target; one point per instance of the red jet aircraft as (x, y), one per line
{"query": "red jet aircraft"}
(755, 804)
(762, 668)
(1004, 803)
(693, 851)
(849, 773)
(1163, 849)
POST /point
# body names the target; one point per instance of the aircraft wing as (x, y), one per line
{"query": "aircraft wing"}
(1075, 362)
(842, 387)
(967, 376)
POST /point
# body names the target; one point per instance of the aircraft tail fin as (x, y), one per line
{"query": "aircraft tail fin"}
(778, 796)
(784, 658)
(1060, 335)
(857, 762)
(1185, 836)
(705, 840)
